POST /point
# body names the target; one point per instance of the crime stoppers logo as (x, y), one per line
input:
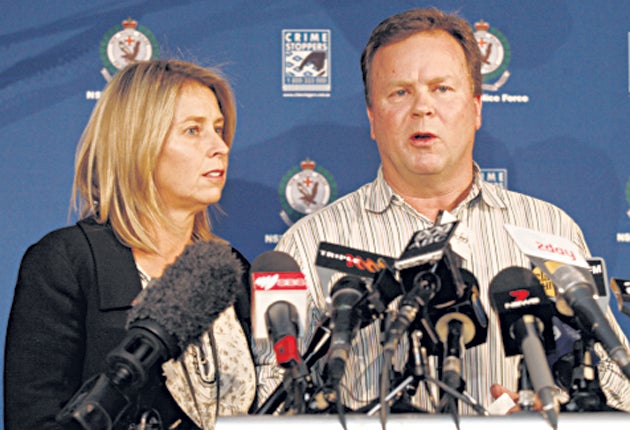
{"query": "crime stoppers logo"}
(125, 43)
(496, 55)
(305, 189)
(306, 63)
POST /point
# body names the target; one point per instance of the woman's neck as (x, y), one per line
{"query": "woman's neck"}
(170, 244)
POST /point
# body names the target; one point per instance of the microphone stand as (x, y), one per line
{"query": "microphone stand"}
(407, 384)
(418, 372)
(526, 394)
(586, 394)
(297, 381)
(317, 348)
(417, 369)
(451, 365)
(451, 369)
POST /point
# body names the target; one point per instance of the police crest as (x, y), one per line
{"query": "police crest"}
(305, 189)
(125, 43)
(495, 53)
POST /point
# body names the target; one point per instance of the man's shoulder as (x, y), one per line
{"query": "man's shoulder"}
(516, 199)
(532, 212)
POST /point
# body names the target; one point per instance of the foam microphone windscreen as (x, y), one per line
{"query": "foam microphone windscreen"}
(192, 292)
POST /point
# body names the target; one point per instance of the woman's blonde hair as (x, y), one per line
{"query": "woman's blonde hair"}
(119, 148)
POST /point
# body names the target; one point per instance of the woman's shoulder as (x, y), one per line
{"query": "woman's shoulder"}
(70, 241)
(71, 233)
(58, 239)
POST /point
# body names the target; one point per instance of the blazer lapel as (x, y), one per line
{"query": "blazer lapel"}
(118, 287)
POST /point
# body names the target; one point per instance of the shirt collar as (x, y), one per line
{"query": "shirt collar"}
(380, 195)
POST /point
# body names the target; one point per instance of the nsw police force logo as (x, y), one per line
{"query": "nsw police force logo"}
(123, 44)
(305, 189)
(306, 63)
(496, 55)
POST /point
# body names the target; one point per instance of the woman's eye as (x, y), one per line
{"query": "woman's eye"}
(219, 130)
(192, 130)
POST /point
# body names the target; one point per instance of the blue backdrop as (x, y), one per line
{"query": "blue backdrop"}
(555, 115)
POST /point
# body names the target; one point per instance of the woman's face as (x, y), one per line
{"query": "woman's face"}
(191, 169)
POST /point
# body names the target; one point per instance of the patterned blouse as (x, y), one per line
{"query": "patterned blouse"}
(192, 378)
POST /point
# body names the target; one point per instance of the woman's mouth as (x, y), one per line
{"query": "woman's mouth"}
(215, 174)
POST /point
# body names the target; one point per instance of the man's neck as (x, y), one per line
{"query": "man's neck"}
(429, 197)
(432, 206)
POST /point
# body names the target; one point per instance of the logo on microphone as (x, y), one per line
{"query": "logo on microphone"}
(270, 287)
(266, 282)
(350, 260)
(554, 249)
(305, 189)
(519, 295)
(279, 281)
(521, 300)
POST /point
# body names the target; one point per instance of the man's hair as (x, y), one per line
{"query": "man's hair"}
(405, 24)
(118, 151)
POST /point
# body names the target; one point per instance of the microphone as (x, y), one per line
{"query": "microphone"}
(276, 276)
(454, 290)
(279, 314)
(345, 320)
(282, 323)
(426, 284)
(383, 288)
(574, 362)
(523, 310)
(462, 325)
(578, 291)
(169, 314)
(426, 255)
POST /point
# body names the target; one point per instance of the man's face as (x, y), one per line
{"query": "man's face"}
(423, 114)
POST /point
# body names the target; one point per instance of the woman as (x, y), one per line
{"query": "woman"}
(153, 157)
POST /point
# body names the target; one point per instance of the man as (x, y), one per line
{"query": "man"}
(422, 77)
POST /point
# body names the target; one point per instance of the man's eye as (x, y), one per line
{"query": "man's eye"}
(443, 88)
(219, 130)
(396, 94)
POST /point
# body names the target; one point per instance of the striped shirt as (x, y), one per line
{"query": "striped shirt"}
(375, 219)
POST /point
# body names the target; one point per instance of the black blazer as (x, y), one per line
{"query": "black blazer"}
(69, 311)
